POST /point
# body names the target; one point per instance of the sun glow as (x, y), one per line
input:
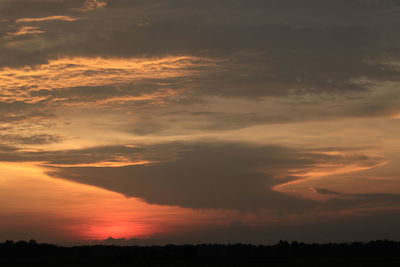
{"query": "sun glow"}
(81, 212)
(117, 229)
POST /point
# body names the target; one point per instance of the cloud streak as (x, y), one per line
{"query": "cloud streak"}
(49, 18)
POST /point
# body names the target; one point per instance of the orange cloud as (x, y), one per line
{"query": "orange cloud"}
(396, 116)
(26, 30)
(50, 18)
(117, 162)
(305, 176)
(17, 83)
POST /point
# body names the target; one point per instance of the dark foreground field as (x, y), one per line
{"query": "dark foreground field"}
(375, 253)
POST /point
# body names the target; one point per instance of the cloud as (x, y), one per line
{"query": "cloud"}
(97, 156)
(85, 80)
(326, 192)
(26, 30)
(38, 139)
(361, 203)
(136, 53)
(209, 175)
(37, 8)
(267, 54)
(152, 52)
(5, 148)
(49, 18)
(179, 89)
(221, 114)
(90, 5)
(20, 111)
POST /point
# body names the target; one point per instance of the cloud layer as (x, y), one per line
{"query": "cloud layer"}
(259, 107)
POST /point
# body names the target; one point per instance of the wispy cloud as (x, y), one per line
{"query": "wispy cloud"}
(49, 18)
(26, 30)
(65, 73)
(90, 5)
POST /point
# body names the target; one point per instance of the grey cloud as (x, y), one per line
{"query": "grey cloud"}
(345, 200)
(204, 175)
(206, 121)
(19, 111)
(290, 53)
(218, 114)
(264, 49)
(6, 148)
(145, 126)
(38, 139)
(363, 201)
(326, 192)
(37, 8)
(208, 175)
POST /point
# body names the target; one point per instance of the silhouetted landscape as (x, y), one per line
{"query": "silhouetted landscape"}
(374, 253)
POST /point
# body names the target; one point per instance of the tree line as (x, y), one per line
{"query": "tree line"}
(25, 252)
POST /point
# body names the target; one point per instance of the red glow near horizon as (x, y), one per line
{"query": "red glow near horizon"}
(72, 211)
(116, 230)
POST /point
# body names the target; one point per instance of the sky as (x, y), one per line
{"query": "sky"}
(199, 121)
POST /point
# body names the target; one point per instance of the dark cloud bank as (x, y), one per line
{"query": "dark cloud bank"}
(264, 48)
(202, 175)
(312, 45)
(210, 175)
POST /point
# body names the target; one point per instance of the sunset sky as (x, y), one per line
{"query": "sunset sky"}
(197, 121)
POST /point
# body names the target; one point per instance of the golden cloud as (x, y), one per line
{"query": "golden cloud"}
(17, 84)
(26, 30)
(50, 18)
